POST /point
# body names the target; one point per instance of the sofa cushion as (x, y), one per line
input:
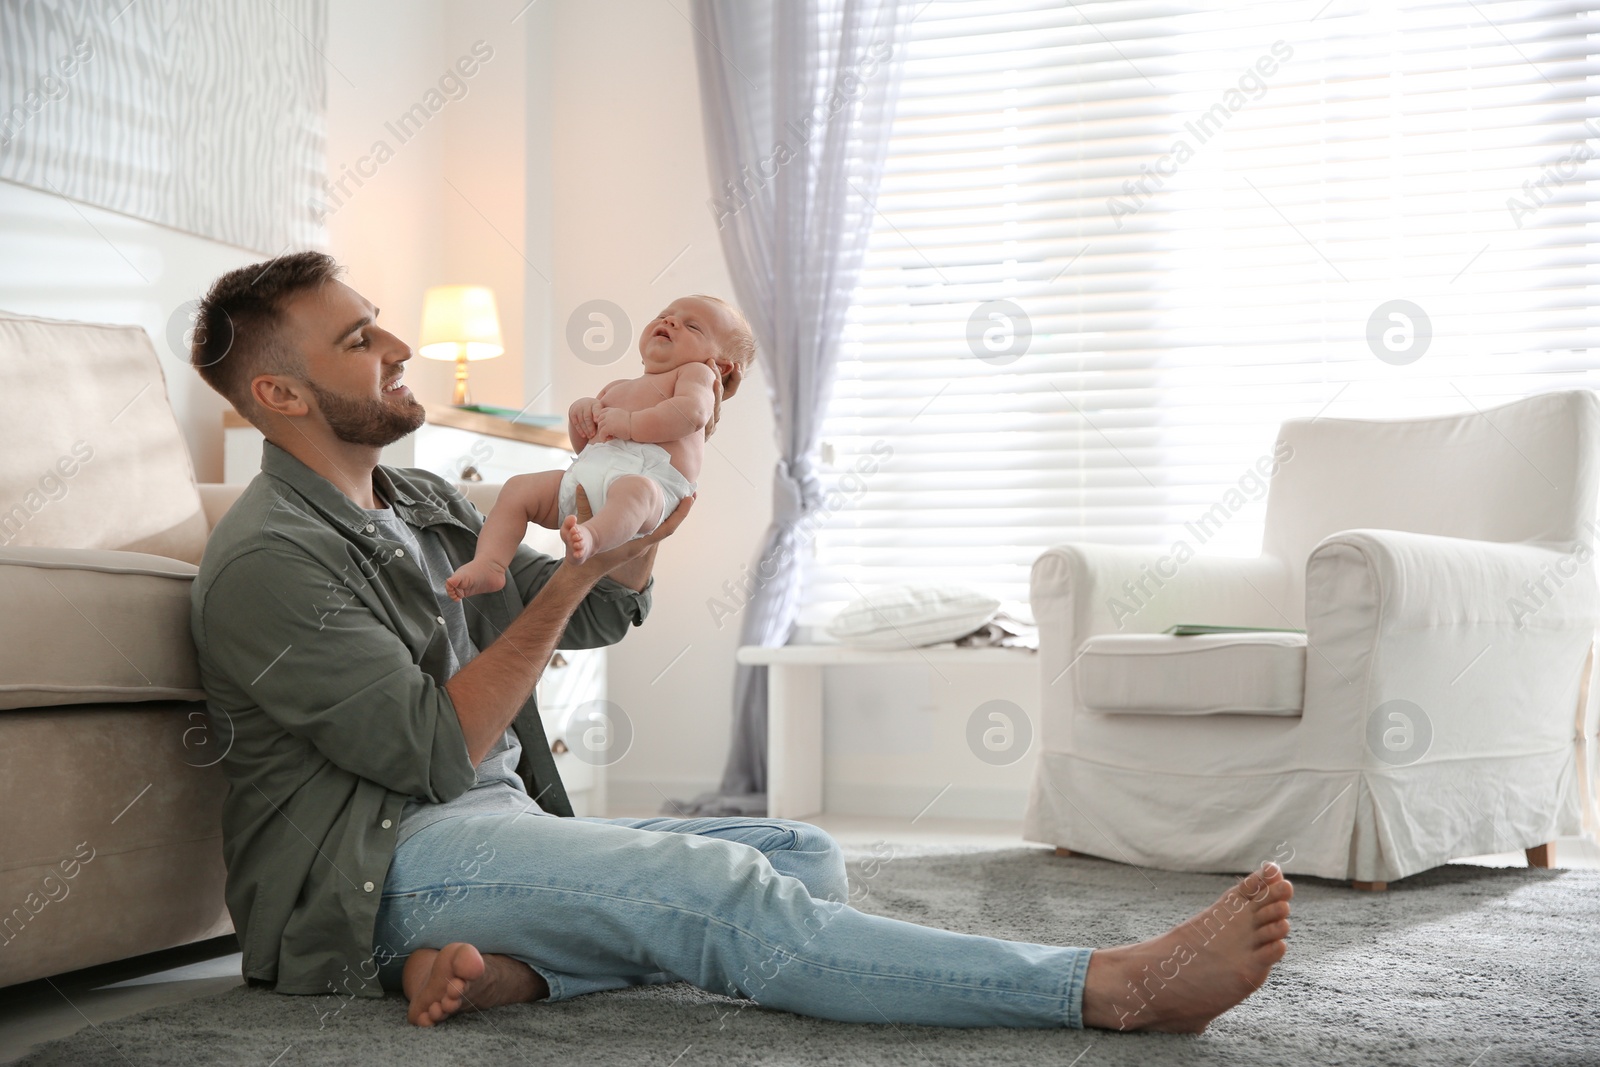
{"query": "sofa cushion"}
(83, 626)
(1207, 674)
(93, 455)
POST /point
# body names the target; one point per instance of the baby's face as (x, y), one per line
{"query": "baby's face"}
(690, 330)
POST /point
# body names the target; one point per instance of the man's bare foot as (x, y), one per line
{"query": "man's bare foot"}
(457, 978)
(1180, 981)
(580, 540)
(477, 576)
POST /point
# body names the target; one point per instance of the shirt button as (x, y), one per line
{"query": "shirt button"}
(370, 527)
(388, 823)
(440, 619)
(367, 887)
(399, 552)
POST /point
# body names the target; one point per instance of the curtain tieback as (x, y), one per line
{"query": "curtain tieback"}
(796, 493)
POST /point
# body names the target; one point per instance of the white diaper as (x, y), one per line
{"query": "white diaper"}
(602, 463)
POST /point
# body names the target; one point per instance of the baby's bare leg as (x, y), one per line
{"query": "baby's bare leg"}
(633, 506)
(525, 498)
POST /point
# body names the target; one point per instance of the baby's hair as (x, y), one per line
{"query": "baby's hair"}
(740, 349)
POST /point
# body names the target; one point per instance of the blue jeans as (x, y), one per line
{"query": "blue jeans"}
(749, 908)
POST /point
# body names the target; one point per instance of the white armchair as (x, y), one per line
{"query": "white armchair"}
(1437, 705)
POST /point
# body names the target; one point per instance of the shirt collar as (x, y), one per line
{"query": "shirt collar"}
(392, 485)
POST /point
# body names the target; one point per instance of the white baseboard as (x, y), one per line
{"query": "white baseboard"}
(637, 798)
(933, 801)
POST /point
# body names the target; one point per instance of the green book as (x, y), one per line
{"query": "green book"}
(1189, 629)
(513, 415)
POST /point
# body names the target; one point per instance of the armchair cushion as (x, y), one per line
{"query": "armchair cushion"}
(1207, 674)
(87, 626)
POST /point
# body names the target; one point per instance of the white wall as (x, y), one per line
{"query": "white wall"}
(448, 207)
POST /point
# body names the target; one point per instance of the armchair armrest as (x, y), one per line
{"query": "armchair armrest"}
(1413, 581)
(1093, 589)
(1487, 639)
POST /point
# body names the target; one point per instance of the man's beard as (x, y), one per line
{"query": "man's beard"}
(371, 422)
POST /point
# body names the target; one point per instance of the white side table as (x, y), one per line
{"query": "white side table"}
(794, 707)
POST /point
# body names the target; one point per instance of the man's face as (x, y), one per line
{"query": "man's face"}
(690, 330)
(353, 366)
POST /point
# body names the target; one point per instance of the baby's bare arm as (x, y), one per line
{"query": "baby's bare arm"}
(683, 413)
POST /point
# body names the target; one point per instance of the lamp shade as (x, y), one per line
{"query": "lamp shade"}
(457, 318)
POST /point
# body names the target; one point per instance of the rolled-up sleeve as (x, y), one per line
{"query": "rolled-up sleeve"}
(291, 640)
(605, 614)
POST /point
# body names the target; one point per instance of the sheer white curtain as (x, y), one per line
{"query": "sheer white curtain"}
(797, 97)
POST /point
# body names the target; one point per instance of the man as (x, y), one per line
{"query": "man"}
(394, 817)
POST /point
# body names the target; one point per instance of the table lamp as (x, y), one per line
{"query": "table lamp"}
(459, 322)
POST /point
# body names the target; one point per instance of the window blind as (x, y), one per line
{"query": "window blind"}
(1118, 243)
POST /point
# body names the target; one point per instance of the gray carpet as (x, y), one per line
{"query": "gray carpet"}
(1465, 966)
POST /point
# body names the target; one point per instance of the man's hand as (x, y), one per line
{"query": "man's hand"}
(731, 374)
(488, 692)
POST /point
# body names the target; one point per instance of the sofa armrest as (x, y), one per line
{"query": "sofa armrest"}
(102, 560)
(216, 499)
(1488, 640)
(481, 495)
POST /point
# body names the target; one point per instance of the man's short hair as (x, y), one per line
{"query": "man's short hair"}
(239, 325)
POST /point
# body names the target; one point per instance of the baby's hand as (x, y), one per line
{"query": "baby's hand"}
(470, 579)
(615, 423)
(581, 415)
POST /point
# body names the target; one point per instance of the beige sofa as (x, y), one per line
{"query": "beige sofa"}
(110, 844)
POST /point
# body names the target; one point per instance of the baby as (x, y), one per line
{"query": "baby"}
(639, 444)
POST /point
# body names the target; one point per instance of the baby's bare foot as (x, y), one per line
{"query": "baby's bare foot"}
(1180, 981)
(473, 578)
(579, 538)
(457, 978)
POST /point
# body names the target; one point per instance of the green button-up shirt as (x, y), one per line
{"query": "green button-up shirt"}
(323, 659)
